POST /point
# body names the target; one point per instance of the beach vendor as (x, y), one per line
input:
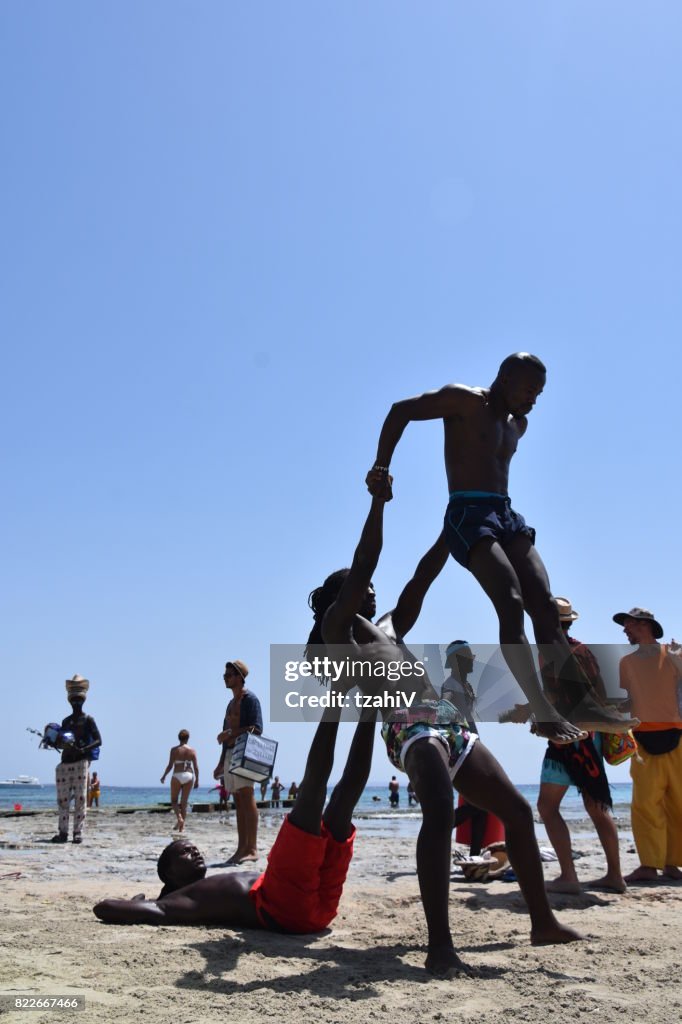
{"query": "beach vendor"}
(428, 741)
(72, 772)
(483, 427)
(302, 885)
(243, 714)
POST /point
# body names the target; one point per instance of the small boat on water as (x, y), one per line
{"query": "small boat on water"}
(21, 780)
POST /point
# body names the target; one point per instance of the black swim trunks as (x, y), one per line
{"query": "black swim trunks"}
(475, 514)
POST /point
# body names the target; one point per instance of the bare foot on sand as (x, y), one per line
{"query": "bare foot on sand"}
(443, 962)
(565, 885)
(642, 874)
(607, 883)
(554, 935)
(243, 858)
(672, 872)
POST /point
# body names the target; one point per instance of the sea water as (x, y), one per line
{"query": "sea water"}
(373, 803)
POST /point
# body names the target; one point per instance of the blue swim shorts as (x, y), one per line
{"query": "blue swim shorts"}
(472, 515)
(555, 773)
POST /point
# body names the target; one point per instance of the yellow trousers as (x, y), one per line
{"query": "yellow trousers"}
(657, 807)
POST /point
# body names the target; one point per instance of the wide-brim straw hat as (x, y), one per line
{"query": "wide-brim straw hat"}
(77, 686)
(567, 612)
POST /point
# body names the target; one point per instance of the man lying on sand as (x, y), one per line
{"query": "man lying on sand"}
(429, 741)
(307, 865)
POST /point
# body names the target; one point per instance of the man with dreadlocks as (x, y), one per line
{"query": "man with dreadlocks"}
(429, 742)
(483, 427)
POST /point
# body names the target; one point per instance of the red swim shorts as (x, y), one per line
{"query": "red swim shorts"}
(300, 889)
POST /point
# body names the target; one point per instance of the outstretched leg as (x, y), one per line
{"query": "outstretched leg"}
(339, 811)
(306, 813)
(498, 577)
(483, 781)
(184, 800)
(175, 788)
(576, 695)
(425, 763)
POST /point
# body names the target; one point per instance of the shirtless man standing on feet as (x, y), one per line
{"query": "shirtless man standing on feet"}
(427, 741)
(483, 427)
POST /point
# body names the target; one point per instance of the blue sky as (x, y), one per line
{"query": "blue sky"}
(231, 238)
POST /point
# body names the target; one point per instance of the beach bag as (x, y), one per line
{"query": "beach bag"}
(253, 757)
(618, 746)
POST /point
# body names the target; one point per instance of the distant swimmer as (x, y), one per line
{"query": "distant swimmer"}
(483, 427)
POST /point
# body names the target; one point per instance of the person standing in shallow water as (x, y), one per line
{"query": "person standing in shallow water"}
(394, 792)
(243, 715)
(483, 427)
(276, 792)
(94, 790)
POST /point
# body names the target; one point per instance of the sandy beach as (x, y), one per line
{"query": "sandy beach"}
(368, 966)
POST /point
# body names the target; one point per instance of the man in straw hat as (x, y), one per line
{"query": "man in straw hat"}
(483, 427)
(72, 772)
(581, 765)
(243, 714)
(651, 676)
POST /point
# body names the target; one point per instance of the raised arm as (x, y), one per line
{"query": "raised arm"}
(406, 611)
(339, 617)
(433, 405)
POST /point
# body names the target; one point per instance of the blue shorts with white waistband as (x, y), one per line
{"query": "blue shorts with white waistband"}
(472, 515)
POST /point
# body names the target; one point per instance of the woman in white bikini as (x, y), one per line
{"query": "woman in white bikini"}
(183, 760)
